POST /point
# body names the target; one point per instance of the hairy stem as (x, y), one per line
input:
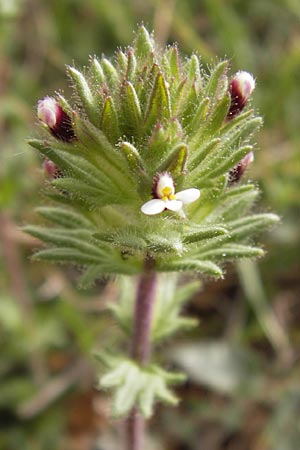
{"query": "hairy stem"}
(141, 346)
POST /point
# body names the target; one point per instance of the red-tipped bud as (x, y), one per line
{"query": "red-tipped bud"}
(241, 87)
(237, 172)
(51, 169)
(59, 123)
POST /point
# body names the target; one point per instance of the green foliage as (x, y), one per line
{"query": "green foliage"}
(134, 385)
(140, 114)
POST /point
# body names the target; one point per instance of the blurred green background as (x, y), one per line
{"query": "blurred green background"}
(243, 360)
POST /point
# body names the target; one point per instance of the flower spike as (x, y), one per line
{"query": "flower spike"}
(165, 197)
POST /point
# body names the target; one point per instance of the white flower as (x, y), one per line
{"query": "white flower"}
(49, 111)
(243, 83)
(166, 198)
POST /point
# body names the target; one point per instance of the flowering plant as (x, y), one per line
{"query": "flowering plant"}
(145, 172)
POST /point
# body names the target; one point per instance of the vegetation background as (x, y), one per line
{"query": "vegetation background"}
(243, 360)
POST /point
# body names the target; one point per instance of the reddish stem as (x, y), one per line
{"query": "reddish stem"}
(141, 346)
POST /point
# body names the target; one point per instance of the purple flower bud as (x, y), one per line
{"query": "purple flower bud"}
(59, 123)
(241, 87)
(51, 169)
(237, 172)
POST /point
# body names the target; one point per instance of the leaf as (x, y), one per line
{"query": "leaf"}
(217, 84)
(204, 233)
(202, 152)
(247, 226)
(195, 126)
(64, 104)
(231, 251)
(131, 109)
(65, 217)
(171, 62)
(106, 157)
(238, 134)
(82, 88)
(218, 115)
(92, 196)
(143, 44)
(133, 385)
(159, 103)
(233, 206)
(127, 238)
(97, 72)
(111, 74)
(89, 277)
(219, 165)
(131, 65)
(189, 265)
(66, 255)
(175, 161)
(77, 239)
(109, 120)
(133, 158)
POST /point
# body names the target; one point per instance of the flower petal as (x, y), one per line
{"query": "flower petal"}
(173, 205)
(188, 195)
(154, 206)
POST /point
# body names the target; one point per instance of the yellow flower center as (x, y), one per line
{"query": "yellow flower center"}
(167, 193)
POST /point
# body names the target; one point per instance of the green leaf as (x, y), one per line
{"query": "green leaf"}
(134, 385)
(106, 156)
(247, 226)
(159, 103)
(218, 166)
(189, 265)
(217, 84)
(82, 88)
(77, 239)
(240, 133)
(68, 255)
(171, 62)
(202, 152)
(111, 74)
(64, 104)
(131, 109)
(133, 158)
(97, 72)
(176, 160)
(122, 62)
(89, 277)
(125, 238)
(109, 120)
(230, 251)
(65, 217)
(236, 121)
(218, 115)
(195, 126)
(143, 44)
(131, 65)
(192, 70)
(92, 196)
(204, 233)
(230, 206)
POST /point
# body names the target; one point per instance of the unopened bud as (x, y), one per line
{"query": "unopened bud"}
(59, 123)
(51, 169)
(241, 87)
(237, 172)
